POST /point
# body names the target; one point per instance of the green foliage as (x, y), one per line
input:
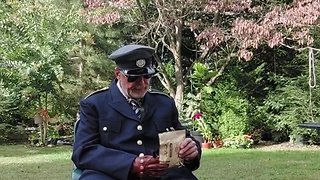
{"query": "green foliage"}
(205, 126)
(201, 120)
(35, 46)
(287, 107)
(281, 99)
(235, 142)
(200, 75)
(12, 134)
(276, 88)
(223, 108)
(34, 137)
(6, 100)
(48, 59)
(233, 116)
(199, 112)
(231, 124)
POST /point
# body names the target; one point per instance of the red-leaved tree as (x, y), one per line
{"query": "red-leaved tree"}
(222, 30)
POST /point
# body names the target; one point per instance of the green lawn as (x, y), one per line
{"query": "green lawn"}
(18, 162)
(260, 165)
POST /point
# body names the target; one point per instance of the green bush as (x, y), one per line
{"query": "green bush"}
(232, 116)
(18, 134)
(241, 141)
(34, 137)
(232, 124)
(12, 134)
(222, 104)
(289, 106)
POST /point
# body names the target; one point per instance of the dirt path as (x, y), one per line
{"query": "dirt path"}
(286, 147)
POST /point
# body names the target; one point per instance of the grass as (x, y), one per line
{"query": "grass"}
(19, 162)
(254, 164)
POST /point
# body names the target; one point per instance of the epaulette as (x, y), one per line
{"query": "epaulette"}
(97, 91)
(154, 91)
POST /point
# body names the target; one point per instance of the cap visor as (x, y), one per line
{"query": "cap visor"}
(139, 72)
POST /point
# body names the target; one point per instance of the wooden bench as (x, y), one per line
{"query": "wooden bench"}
(310, 125)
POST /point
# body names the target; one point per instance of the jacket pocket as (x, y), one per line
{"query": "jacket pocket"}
(109, 130)
(162, 125)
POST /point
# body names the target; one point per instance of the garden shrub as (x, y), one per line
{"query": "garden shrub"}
(232, 110)
(3, 132)
(287, 107)
(230, 124)
(241, 141)
(12, 134)
(18, 134)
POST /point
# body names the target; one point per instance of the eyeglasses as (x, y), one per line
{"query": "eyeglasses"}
(134, 78)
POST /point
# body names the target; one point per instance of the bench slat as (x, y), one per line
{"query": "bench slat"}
(311, 125)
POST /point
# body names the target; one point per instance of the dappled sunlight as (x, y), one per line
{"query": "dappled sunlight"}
(26, 151)
(226, 151)
(39, 158)
(32, 151)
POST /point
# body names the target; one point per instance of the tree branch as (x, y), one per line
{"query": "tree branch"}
(299, 49)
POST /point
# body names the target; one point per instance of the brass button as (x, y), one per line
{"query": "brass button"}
(105, 128)
(139, 127)
(139, 142)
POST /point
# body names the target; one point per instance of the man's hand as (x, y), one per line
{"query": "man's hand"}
(188, 149)
(148, 166)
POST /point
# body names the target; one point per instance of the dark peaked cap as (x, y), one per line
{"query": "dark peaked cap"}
(134, 59)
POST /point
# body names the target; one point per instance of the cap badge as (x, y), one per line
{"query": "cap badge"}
(140, 63)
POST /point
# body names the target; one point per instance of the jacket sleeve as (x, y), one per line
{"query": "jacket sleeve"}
(88, 153)
(195, 163)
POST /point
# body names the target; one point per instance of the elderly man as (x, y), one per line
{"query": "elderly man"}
(117, 135)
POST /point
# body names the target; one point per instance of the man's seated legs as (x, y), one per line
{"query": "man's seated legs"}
(179, 173)
(94, 175)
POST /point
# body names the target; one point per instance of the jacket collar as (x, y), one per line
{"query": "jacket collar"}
(120, 103)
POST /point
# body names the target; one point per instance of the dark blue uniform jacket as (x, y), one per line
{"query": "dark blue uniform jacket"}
(110, 135)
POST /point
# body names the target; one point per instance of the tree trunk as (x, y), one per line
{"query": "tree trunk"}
(42, 140)
(176, 50)
(45, 132)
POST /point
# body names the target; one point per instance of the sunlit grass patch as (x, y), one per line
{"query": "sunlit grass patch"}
(37, 158)
(54, 163)
(258, 164)
(26, 150)
(29, 163)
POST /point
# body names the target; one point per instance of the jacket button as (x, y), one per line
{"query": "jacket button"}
(139, 128)
(139, 142)
(105, 128)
